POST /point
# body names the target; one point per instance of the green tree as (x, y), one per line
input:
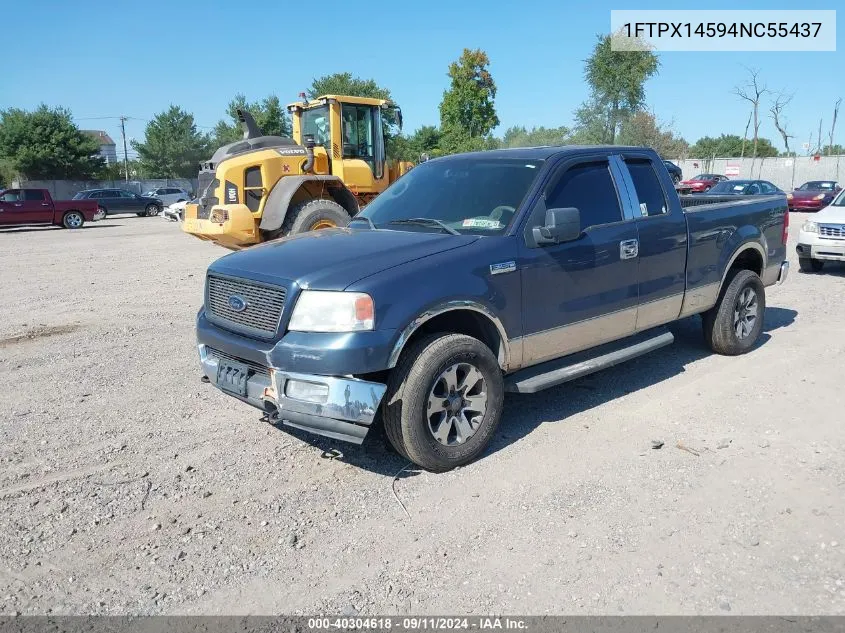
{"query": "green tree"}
(268, 113)
(172, 147)
(729, 146)
(468, 111)
(520, 136)
(642, 129)
(45, 144)
(617, 81)
(836, 149)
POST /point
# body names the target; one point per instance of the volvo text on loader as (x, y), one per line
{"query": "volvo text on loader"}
(264, 187)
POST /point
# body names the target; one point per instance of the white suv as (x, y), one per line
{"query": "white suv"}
(169, 195)
(823, 238)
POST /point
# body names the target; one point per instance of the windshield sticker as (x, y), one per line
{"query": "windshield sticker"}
(482, 223)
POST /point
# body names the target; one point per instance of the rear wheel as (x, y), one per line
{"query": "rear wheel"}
(73, 220)
(101, 213)
(809, 265)
(734, 324)
(444, 401)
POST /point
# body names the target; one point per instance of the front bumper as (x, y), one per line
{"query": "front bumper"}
(345, 412)
(806, 205)
(814, 247)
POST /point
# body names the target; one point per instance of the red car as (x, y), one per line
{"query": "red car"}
(700, 183)
(36, 206)
(813, 195)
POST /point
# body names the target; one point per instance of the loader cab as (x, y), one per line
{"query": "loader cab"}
(351, 131)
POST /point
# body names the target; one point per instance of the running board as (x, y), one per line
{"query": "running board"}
(560, 370)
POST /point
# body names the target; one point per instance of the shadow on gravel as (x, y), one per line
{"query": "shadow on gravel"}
(47, 229)
(523, 413)
(836, 269)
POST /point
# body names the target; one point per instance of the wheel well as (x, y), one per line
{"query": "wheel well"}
(315, 189)
(749, 259)
(467, 322)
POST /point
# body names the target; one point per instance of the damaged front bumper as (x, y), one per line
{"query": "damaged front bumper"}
(339, 407)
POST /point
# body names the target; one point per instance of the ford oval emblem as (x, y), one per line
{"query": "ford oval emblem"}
(238, 304)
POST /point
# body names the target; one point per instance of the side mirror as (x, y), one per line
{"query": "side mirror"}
(561, 225)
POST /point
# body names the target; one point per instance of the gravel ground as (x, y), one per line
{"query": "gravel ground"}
(127, 486)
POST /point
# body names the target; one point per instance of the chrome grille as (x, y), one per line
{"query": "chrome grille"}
(256, 367)
(264, 305)
(832, 230)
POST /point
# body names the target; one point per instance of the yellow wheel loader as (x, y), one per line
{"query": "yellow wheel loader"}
(264, 187)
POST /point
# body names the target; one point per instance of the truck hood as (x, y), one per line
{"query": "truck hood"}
(830, 214)
(332, 259)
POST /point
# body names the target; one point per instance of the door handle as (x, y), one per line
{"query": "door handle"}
(44, 204)
(628, 249)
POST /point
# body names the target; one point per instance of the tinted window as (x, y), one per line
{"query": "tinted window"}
(108, 194)
(125, 194)
(79, 196)
(252, 188)
(650, 195)
(589, 188)
(753, 189)
(33, 194)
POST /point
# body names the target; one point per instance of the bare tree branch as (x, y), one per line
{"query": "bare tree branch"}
(833, 124)
(752, 91)
(781, 101)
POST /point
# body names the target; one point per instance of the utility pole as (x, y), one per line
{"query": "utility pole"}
(125, 159)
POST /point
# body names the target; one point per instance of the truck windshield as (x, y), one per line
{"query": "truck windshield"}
(478, 195)
(316, 122)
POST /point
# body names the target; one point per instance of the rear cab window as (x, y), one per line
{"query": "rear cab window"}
(650, 195)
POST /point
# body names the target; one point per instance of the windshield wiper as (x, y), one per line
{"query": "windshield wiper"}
(365, 219)
(427, 222)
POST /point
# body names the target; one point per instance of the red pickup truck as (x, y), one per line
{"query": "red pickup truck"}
(36, 206)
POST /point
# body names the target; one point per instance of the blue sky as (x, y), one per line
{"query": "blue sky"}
(104, 59)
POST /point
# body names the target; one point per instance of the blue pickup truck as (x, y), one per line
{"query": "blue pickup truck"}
(478, 274)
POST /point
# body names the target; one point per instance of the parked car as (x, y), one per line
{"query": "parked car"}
(168, 195)
(674, 171)
(743, 188)
(175, 212)
(560, 261)
(112, 201)
(813, 195)
(822, 239)
(36, 206)
(699, 184)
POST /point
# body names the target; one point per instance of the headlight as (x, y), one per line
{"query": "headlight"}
(810, 227)
(324, 311)
(819, 197)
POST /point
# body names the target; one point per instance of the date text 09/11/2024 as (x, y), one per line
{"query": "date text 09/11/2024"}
(418, 623)
(722, 29)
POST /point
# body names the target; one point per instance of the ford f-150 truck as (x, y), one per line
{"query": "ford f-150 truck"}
(36, 206)
(481, 273)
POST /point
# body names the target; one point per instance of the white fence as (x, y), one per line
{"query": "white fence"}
(786, 173)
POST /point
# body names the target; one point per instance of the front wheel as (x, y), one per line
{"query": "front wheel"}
(152, 209)
(734, 324)
(444, 401)
(313, 215)
(809, 265)
(73, 220)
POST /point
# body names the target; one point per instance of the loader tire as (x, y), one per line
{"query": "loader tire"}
(313, 215)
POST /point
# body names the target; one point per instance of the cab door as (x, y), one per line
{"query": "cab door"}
(582, 293)
(35, 207)
(11, 207)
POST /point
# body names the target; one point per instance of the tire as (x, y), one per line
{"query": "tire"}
(809, 265)
(676, 179)
(419, 378)
(720, 322)
(151, 210)
(102, 213)
(313, 215)
(73, 220)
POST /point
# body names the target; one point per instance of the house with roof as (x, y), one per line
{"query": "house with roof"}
(108, 149)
